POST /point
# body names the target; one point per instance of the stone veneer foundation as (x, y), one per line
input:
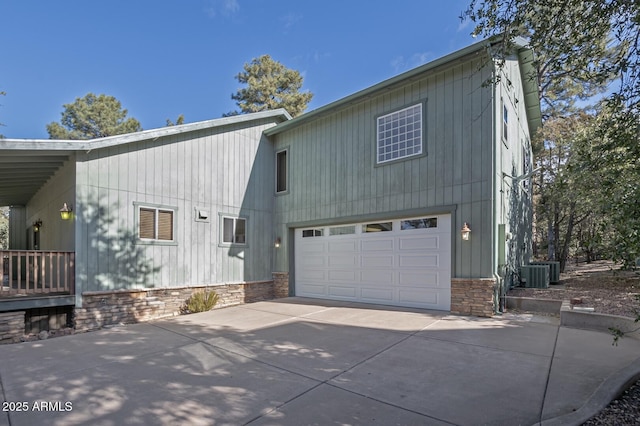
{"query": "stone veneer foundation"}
(11, 326)
(280, 284)
(473, 296)
(103, 308)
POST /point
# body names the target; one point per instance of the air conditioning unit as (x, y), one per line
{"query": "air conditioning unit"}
(554, 270)
(535, 276)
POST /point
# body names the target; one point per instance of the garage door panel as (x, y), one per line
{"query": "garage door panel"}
(419, 261)
(339, 291)
(383, 277)
(377, 245)
(418, 296)
(377, 261)
(343, 275)
(312, 289)
(419, 279)
(376, 294)
(311, 247)
(420, 243)
(315, 274)
(343, 246)
(313, 261)
(343, 260)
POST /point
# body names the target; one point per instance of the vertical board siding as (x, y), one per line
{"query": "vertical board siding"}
(220, 170)
(333, 172)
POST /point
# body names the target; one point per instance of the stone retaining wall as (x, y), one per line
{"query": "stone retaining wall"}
(473, 296)
(11, 326)
(130, 306)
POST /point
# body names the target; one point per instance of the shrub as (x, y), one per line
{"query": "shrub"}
(202, 301)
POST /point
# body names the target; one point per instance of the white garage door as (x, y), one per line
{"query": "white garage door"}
(403, 262)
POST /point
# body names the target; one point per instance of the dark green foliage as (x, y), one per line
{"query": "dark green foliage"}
(584, 42)
(618, 333)
(93, 117)
(590, 182)
(270, 85)
(179, 121)
(608, 158)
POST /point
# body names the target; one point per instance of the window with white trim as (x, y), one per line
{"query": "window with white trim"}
(309, 233)
(234, 230)
(342, 230)
(399, 134)
(427, 222)
(377, 227)
(156, 223)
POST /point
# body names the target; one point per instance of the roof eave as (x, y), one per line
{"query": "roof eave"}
(279, 115)
(530, 88)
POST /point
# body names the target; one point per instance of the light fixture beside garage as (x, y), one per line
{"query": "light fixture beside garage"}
(465, 232)
(277, 242)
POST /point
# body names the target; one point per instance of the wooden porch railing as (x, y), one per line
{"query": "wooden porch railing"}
(31, 272)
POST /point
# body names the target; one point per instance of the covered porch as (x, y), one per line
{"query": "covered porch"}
(37, 262)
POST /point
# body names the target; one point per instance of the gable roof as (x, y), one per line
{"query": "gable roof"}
(26, 164)
(528, 72)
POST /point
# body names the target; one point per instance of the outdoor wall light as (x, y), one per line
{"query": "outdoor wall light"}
(37, 225)
(65, 212)
(465, 232)
(277, 243)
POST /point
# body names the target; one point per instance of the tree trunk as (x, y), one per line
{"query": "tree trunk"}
(564, 252)
(551, 246)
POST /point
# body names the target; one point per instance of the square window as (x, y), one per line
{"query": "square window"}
(234, 230)
(401, 129)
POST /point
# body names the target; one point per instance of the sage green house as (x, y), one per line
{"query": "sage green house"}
(413, 192)
(374, 190)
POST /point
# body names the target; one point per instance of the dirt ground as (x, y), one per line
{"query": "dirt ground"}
(601, 285)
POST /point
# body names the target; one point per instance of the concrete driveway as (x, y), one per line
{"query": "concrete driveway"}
(301, 361)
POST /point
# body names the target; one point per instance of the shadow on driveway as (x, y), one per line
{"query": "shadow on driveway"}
(302, 361)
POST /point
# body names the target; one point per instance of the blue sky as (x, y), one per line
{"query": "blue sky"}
(162, 58)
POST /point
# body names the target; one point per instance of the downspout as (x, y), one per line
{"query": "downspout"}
(498, 289)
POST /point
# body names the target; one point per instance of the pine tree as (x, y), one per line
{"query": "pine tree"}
(270, 85)
(93, 117)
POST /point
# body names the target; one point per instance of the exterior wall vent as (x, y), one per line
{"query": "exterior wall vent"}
(535, 276)
(554, 270)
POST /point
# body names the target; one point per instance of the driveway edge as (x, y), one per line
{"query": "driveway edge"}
(608, 390)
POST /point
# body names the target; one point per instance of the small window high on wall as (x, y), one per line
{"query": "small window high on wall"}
(505, 123)
(281, 171)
